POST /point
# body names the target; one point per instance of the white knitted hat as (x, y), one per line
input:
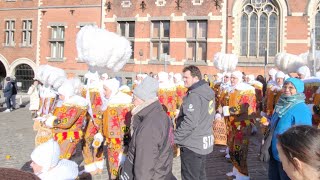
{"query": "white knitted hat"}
(46, 155)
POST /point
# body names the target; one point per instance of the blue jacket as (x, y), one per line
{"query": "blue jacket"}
(299, 114)
(7, 91)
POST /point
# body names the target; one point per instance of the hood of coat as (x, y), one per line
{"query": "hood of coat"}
(203, 89)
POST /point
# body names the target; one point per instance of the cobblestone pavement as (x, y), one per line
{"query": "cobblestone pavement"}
(17, 143)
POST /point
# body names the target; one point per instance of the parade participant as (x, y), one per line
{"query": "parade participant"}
(116, 121)
(261, 79)
(206, 78)
(226, 81)
(290, 110)
(137, 81)
(95, 49)
(93, 139)
(272, 76)
(274, 91)
(34, 98)
(180, 89)
(219, 78)
(225, 63)
(167, 93)
(125, 89)
(249, 78)
(303, 72)
(48, 75)
(194, 125)
(299, 149)
(150, 153)
(239, 110)
(68, 118)
(104, 76)
(47, 165)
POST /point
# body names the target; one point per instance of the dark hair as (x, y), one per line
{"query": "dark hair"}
(194, 71)
(261, 79)
(8, 79)
(302, 142)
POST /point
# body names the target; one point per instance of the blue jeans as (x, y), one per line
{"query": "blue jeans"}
(276, 171)
(8, 102)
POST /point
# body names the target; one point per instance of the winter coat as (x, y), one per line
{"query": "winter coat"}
(194, 122)
(34, 98)
(7, 92)
(299, 114)
(14, 88)
(150, 132)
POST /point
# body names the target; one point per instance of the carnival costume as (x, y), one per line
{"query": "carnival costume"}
(100, 49)
(116, 129)
(239, 111)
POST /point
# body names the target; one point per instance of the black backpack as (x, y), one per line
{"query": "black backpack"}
(14, 89)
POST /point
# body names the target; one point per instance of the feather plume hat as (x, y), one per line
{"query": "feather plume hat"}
(100, 48)
(225, 62)
(288, 63)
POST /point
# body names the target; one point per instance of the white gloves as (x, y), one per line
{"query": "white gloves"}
(226, 111)
(97, 140)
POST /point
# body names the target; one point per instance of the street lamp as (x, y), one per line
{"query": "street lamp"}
(141, 54)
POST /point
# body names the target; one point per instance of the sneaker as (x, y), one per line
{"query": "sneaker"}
(7, 110)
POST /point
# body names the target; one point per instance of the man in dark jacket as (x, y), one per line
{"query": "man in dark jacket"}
(7, 93)
(194, 125)
(150, 153)
(14, 92)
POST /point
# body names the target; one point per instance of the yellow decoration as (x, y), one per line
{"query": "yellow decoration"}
(8, 157)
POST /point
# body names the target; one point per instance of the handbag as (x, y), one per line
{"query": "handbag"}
(264, 155)
(125, 171)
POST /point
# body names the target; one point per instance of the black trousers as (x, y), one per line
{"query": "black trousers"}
(193, 165)
(8, 102)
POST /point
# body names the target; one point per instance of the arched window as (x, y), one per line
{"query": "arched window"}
(259, 28)
(24, 76)
(317, 28)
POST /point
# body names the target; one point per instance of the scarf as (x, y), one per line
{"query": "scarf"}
(136, 110)
(286, 102)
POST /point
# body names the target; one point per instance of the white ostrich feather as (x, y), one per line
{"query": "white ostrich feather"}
(101, 48)
(225, 62)
(288, 63)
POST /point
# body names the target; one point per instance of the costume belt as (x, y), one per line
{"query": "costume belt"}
(68, 135)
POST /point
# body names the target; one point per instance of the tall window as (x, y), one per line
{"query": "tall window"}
(317, 29)
(160, 39)
(9, 31)
(26, 32)
(127, 29)
(259, 28)
(197, 41)
(57, 42)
